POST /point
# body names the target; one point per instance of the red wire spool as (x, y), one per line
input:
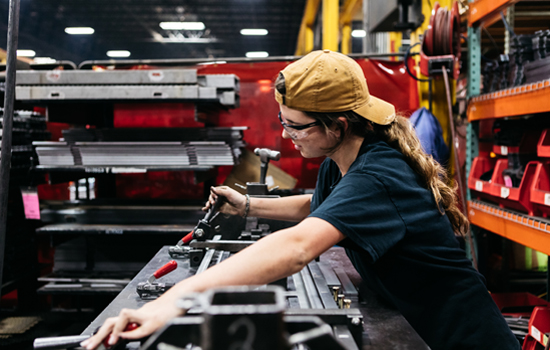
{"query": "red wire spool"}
(441, 42)
(428, 35)
(443, 34)
(455, 30)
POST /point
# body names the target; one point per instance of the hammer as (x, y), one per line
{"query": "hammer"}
(265, 155)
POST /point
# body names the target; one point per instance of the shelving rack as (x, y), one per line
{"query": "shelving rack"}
(530, 231)
(94, 233)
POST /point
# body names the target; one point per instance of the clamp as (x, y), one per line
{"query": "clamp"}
(201, 232)
(152, 289)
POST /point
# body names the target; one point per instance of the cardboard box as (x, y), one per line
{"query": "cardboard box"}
(248, 170)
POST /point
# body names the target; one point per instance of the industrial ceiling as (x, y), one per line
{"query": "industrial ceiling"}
(133, 25)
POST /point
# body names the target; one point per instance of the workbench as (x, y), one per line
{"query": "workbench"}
(384, 327)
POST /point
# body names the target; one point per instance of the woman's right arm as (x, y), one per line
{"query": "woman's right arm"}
(291, 208)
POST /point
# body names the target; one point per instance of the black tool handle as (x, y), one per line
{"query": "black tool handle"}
(214, 209)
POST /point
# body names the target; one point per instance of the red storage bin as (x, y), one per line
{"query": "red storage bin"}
(517, 198)
(518, 304)
(480, 188)
(539, 327)
(527, 145)
(496, 190)
(543, 146)
(540, 188)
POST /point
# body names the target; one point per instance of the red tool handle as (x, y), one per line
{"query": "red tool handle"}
(168, 267)
(129, 327)
(188, 238)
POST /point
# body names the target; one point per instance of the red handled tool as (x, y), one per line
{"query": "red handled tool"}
(152, 289)
(129, 327)
(201, 232)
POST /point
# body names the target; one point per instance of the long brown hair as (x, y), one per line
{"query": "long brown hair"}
(401, 136)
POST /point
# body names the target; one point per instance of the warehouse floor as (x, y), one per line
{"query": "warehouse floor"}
(36, 325)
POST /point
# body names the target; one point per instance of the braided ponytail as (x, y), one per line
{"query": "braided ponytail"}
(401, 136)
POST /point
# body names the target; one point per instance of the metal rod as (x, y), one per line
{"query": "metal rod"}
(193, 61)
(329, 274)
(207, 259)
(205, 263)
(303, 300)
(461, 188)
(348, 288)
(311, 290)
(325, 294)
(9, 97)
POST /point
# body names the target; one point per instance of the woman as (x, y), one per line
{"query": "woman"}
(378, 195)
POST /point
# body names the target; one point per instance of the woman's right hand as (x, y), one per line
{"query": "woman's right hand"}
(235, 203)
(150, 318)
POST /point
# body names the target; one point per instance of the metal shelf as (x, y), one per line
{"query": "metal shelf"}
(520, 100)
(120, 169)
(530, 231)
(483, 11)
(91, 229)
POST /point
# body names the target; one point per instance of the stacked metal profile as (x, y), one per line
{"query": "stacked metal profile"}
(165, 84)
(142, 147)
(528, 62)
(539, 68)
(27, 126)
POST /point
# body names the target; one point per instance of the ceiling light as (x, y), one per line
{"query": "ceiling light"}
(256, 54)
(118, 53)
(26, 53)
(186, 40)
(79, 30)
(213, 62)
(254, 31)
(358, 33)
(43, 60)
(182, 25)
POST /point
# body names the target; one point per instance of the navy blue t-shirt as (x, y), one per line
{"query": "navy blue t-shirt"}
(406, 250)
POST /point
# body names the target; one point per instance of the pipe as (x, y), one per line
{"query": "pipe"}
(461, 188)
(330, 24)
(9, 97)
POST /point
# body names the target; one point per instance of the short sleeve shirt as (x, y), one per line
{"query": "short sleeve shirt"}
(405, 249)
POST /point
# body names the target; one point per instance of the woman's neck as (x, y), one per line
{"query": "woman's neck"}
(346, 154)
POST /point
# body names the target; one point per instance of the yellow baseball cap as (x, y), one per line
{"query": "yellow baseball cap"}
(327, 81)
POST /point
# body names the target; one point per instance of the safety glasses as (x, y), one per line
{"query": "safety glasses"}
(297, 132)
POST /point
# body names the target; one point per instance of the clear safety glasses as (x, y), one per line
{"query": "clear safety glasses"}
(297, 132)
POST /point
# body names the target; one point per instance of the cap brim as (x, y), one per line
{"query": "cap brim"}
(377, 111)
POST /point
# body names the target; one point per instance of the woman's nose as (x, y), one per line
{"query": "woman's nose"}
(286, 134)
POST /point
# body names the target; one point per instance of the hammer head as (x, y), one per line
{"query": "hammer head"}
(266, 154)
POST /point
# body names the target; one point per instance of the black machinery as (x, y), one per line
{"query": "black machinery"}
(316, 308)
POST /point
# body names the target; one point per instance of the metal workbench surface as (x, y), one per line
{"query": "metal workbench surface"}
(384, 327)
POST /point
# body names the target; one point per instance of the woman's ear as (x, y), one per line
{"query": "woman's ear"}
(339, 127)
(344, 122)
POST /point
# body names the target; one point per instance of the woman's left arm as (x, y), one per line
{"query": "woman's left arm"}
(275, 256)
